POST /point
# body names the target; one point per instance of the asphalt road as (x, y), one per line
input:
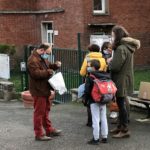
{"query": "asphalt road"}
(16, 131)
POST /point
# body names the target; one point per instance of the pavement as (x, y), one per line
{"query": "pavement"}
(16, 130)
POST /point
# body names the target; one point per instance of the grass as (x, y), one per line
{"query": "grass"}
(72, 79)
(16, 79)
(141, 75)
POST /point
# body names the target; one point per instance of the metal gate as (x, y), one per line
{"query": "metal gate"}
(71, 63)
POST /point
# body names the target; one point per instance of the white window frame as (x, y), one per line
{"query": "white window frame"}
(103, 8)
(45, 33)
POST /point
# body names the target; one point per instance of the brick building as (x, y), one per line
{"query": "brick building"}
(59, 21)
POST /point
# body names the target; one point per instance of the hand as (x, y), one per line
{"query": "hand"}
(58, 63)
(114, 99)
(50, 71)
(84, 102)
(109, 60)
(52, 96)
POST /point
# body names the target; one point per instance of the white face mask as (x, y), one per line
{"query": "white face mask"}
(106, 52)
(45, 56)
(89, 69)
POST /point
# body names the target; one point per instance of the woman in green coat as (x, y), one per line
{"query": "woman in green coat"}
(121, 66)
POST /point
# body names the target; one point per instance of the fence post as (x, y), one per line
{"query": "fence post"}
(26, 51)
(79, 56)
(22, 81)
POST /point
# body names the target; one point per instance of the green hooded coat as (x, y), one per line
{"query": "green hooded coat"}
(121, 66)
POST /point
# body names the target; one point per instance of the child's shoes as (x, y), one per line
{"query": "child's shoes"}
(104, 140)
(93, 142)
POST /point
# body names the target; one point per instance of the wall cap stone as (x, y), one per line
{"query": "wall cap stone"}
(53, 10)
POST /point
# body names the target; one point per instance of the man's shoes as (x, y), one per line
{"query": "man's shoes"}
(55, 132)
(43, 138)
(115, 131)
(104, 140)
(122, 134)
(93, 142)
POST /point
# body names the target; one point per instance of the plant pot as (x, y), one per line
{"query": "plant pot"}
(28, 100)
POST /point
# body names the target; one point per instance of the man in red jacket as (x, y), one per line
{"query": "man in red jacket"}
(40, 70)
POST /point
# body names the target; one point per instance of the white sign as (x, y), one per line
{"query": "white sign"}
(99, 39)
(23, 66)
(4, 66)
(56, 32)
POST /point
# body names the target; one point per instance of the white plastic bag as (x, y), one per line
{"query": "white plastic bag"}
(57, 82)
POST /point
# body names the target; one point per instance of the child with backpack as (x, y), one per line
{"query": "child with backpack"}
(94, 53)
(98, 109)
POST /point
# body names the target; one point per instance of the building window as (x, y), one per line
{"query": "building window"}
(47, 32)
(100, 6)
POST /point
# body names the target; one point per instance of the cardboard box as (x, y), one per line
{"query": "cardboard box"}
(144, 91)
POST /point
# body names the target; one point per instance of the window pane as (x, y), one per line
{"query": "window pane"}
(49, 38)
(49, 26)
(97, 4)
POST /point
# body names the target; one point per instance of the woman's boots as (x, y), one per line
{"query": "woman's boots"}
(120, 133)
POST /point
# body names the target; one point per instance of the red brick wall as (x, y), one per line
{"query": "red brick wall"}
(19, 29)
(46, 4)
(17, 4)
(68, 23)
(26, 29)
(133, 15)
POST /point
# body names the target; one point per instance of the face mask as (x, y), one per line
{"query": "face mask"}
(45, 56)
(106, 52)
(89, 69)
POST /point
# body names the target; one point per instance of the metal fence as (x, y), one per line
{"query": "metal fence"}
(71, 63)
(70, 59)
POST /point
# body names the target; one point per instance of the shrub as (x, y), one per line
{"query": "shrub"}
(7, 49)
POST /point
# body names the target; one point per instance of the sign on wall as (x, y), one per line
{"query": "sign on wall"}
(4, 66)
(99, 39)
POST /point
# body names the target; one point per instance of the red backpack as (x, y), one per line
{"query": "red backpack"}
(103, 91)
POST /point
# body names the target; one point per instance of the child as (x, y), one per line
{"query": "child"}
(94, 53)
(106, 50)
(99, 118)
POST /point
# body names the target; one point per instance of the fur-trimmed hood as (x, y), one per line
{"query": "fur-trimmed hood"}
(131, 43)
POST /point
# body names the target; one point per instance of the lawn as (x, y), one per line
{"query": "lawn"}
(141, 75)
(72, 79)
